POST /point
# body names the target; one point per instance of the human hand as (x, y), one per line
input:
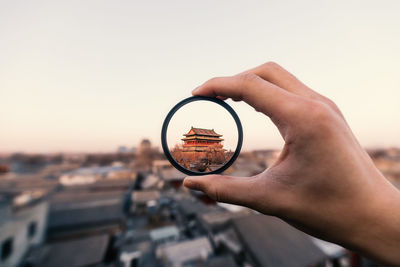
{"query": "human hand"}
(323, 182)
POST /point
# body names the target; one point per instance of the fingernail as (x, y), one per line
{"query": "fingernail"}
(195, 90)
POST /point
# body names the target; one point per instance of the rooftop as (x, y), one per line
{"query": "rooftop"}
(78, 252)
(145, 196)
(272, 242)
(171, 174)
(178, 253)
(218, 219)
(84, 210)
(201, 131)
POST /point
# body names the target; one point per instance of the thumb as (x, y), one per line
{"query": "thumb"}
(234, 190)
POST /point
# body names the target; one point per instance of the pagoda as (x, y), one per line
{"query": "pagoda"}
(198, 140)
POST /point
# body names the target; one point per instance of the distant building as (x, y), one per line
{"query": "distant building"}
(23, 220)
(83, 251)
(198, 140)
(172, 176)
(91, 175)
(144, 147)
(4, 169)
(164, 234)
(137, 250)
(126, 150)
(191, 252)
(218, 220)
(122, 149)
(84, 212)
(160, 164)
(144, 201)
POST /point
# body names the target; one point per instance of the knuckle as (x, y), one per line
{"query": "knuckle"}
(325, 100)
(323, 121)
(331, 104)
(320, 112)
(316, 116)
(245, 81)
(247, 78)
(213, 192)
(271, 65)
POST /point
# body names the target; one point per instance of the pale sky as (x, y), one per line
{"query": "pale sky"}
(92, 75)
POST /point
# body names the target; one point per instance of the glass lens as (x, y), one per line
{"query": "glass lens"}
(202, 136)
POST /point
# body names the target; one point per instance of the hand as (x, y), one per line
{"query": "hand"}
(323, 182)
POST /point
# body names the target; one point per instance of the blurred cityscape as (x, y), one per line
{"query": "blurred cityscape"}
(129, 208)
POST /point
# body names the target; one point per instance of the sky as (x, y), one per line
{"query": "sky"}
(89, 76)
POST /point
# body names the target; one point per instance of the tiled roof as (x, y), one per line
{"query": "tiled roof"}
(201, 131)
(272, 242)
(78, 252)
(194, 137)
(85, 210)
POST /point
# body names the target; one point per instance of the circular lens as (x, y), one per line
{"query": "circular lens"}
(202, 135)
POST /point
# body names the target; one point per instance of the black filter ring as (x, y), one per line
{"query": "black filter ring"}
(171, 114)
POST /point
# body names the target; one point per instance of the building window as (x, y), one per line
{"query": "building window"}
(32, 229)
(6, 248)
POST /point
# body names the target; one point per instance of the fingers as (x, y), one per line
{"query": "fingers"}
(234, 190)
(274, 73)
(262, 95)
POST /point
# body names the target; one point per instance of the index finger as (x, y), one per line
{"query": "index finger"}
(258, 93)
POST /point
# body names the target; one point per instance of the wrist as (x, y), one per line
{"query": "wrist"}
(377, 231)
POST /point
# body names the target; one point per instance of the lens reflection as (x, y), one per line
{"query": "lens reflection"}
(202, 136)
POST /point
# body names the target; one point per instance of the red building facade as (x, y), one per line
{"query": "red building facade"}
(199, 140)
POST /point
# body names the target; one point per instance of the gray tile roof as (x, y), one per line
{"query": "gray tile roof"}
(272, 242)
(78, 252)
(220, 261)
(219, 219)
(71, 210)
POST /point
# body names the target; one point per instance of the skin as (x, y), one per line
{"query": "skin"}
(323, 183)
